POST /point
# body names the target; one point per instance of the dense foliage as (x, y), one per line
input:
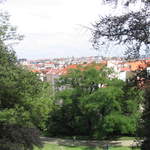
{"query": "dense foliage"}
(24, 99)
(145, 121)
(91, 103)
(132, 30)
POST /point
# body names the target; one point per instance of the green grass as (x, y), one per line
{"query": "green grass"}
(59, 147)
(126, 138)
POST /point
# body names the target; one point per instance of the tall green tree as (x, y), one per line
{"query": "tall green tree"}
(130, 29)
(95, 105)
(24, 101)
(144, 129)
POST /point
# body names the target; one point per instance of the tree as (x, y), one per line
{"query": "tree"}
(94, 105)
(131, 29)
(23, 108)
(144, 129)
(21, 99)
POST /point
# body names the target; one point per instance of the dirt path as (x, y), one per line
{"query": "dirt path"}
(69, 142)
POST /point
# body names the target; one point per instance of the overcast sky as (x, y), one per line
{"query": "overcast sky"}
(53, 28)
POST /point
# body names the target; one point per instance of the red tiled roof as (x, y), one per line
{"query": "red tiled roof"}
(125, 69)
(62, 71)
(134, 65)
(36, 71)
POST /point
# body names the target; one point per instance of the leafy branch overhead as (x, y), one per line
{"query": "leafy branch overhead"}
(8, 32)
(131, 29)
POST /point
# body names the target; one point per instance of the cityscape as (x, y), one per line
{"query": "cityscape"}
(51, 68)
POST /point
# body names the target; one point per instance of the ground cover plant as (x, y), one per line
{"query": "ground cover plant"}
(59, 147)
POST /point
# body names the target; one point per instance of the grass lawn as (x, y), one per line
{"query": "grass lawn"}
(126, 138)
(59, 147)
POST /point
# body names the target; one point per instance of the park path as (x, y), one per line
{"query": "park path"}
(69, 142)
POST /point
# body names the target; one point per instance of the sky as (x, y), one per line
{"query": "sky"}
(54, 28)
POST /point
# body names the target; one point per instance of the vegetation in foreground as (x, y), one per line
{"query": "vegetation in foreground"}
(94, 105)
(131, 30)
(61, 147)
(24, 98)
